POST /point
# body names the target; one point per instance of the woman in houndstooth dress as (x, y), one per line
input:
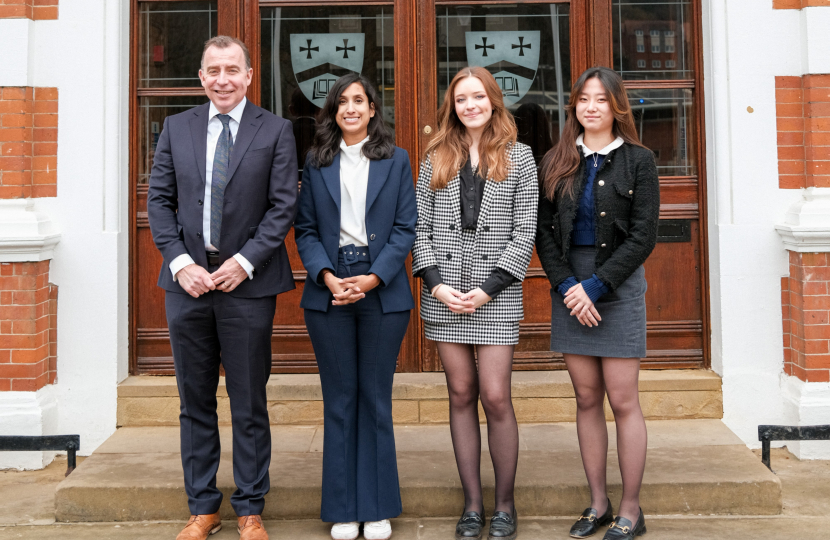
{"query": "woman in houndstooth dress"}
(477, 199)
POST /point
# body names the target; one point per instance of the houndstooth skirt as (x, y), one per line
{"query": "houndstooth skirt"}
(468, 330)
(621, 332)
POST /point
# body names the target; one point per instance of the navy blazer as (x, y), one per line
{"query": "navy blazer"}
(260, 197)
(391, 213)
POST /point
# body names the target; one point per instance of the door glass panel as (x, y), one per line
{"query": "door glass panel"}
(305, 49)
(151, 114)
(664, 121)
(652, 39)
(171, 38)
(526, 47)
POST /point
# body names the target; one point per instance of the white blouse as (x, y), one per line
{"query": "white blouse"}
(354, 181)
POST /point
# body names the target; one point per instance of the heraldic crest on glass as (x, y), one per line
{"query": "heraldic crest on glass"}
(514, 54)
(320, 59)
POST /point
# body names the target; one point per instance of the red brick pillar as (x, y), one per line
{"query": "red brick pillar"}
(802, 107)
(28, 142)
(28, 311)
(805, 303)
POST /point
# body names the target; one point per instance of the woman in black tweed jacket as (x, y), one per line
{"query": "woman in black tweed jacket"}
(597, 224)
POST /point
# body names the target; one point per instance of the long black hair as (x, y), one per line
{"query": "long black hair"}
(381, 143)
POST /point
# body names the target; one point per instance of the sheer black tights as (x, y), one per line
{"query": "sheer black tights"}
(491, 382)
(592, 377)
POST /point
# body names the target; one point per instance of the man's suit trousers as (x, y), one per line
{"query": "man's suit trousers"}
(357, 348)
(217, 327)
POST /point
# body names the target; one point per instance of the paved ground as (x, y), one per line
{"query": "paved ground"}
(27, 508)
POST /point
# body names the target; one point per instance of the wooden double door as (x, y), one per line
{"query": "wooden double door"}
(410, 49)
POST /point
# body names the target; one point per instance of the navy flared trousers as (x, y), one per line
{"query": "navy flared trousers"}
(357, 348)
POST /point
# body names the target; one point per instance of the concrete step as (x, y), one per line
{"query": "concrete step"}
(421, 398)
(694, 467)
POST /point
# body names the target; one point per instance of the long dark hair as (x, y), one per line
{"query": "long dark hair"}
(381, 143)
(561, 163)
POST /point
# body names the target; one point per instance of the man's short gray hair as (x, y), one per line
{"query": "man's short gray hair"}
(223, 42)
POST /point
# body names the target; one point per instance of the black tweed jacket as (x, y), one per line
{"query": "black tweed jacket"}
(626, 213)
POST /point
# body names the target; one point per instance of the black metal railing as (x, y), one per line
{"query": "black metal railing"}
(70, 443)
(767, 434)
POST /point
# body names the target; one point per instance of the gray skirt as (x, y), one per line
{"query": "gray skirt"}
(622, 331)
(468, 330)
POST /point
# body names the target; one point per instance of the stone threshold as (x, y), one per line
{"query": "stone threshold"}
(694, 467)
(421, 398)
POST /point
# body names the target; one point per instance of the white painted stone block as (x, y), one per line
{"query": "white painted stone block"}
(16, 37)
(32, 414)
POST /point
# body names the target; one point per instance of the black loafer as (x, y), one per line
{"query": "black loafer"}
(589, 522)
(469, 526)
(622, 529)
(503, 526)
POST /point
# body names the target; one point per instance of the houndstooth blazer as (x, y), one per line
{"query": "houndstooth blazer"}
(504, 237)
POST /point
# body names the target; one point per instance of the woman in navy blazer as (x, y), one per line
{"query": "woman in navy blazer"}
(354, 229)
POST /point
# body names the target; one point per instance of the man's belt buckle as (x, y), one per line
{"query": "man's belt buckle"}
(213, 257)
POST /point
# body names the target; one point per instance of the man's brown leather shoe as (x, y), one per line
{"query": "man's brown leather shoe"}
(200, 527)
(250, 528)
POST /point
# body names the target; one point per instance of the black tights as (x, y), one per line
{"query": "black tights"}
(592, 377)
(491, 381)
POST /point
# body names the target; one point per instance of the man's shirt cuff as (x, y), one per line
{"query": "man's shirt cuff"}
(243, 262)
(180, 262)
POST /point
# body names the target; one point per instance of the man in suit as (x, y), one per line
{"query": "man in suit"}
(222, 197)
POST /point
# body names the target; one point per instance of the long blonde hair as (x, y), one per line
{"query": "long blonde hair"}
(448, 150)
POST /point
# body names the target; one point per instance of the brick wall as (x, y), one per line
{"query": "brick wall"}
(28, 314)
(805, 304)
(29, 9)
(803, 123)
(28, 142)
(798, 4)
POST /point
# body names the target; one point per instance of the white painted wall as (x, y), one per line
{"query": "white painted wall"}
(85, 55)
(746, 45)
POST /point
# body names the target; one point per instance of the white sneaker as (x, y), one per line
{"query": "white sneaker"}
(377, 530)
(345, 531)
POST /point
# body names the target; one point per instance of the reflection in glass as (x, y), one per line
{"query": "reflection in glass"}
(171, 38)
(664, 122)
(527, 49)
(151, 114)
(652, 39)
(305, 49)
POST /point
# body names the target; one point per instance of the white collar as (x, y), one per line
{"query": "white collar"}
(616, 143)
(355, 149)
(236, 113)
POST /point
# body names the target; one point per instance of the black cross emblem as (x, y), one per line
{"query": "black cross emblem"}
(521, 46)
(484, 46)
(345, 48)
(308, 49)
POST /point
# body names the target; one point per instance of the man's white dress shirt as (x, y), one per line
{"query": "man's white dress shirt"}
(213, 131)
(354, 181)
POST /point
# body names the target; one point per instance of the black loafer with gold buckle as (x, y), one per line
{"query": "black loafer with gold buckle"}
(469, 526)
(622, 529)
(503, 526)
(589, 522)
